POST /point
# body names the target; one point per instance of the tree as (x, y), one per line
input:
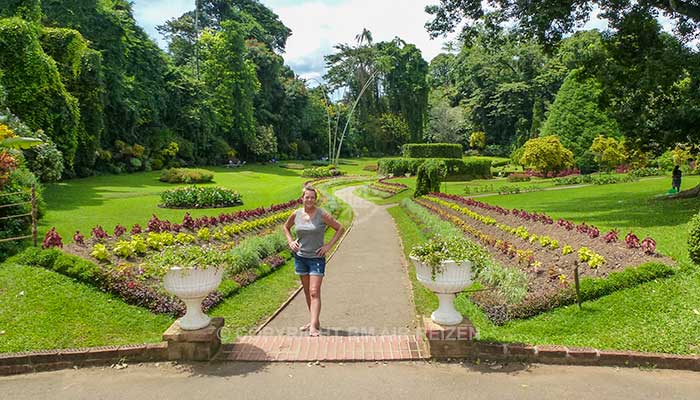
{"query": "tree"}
(609, 151)
(394, 132)
(576, 116)
(264, 145)
(477, 140)
(231, 82)
(549, 20)
(446, 124)
(546, 154)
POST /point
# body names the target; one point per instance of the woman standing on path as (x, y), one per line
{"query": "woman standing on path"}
(310, 252)
(676, 179)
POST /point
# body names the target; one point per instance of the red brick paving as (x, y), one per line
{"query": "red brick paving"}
(326, 348)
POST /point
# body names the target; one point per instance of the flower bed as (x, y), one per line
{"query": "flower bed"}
(124, 263)
(200, 197)
(386, 188)
(546, 251)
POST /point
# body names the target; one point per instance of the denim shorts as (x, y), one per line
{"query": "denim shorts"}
(309, 266)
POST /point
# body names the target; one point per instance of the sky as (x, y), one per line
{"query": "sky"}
(319, 25)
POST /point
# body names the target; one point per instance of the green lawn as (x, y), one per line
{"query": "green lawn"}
(41, 309)
(659, 316)
(108, 200)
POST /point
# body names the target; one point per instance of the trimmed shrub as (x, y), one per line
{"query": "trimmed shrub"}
(321, 172)
(429, 176)
(186, 175)
(457, 169)
(200, 197)
(694, 239)
(432, 150)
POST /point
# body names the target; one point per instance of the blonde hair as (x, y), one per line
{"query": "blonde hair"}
(309, 189)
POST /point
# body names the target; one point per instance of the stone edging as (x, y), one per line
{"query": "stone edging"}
(49, 360)
(548, 354)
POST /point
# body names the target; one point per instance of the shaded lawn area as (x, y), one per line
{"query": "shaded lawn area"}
(658, 316)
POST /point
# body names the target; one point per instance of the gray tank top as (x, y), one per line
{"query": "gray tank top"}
(310, 233)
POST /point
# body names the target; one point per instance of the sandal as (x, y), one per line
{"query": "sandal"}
(314, 333)
(304, 328)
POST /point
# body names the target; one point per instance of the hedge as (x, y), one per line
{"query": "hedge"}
(432, 150)
(456, 168)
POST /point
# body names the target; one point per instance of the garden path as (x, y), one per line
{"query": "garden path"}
(366, 290)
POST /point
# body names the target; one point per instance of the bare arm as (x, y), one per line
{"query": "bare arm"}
(293, 244)
(339, 229)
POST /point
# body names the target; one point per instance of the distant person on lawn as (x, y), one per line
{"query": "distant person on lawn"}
(310, 251)
(676, 178)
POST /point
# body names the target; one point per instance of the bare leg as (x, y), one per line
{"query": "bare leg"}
(305, 285)
(315, 304)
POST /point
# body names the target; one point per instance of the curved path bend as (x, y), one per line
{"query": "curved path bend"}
(366, 290)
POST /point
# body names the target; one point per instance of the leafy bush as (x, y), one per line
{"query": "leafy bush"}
(200, 197)
(186, 175)
(546, 154)
(429, 176)
(458, 168)
(17, 191)
(641, 172)
(518, 178)
(694, 239)
(322, 172)
(432, 150)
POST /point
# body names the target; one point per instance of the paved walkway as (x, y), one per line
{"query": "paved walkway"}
(366, 290)
(400, 380)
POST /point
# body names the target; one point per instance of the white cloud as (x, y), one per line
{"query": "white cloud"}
(318, 25)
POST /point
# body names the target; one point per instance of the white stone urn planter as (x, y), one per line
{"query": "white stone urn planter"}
(192, 285)
(451, 278)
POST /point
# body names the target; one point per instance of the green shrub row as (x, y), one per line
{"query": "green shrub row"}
(321, 172)
(594, 179)
(200, 197)
(58, 261)
(186, 175)
(432, 150)
(456, 168)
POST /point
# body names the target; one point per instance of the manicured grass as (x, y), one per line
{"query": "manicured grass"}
(108, 200)
(41, 309)
(81, 204)
(252, 304)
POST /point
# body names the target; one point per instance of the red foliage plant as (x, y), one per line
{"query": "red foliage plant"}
(632, 241)
(78, 238)
(648, 245)
(52, 239)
